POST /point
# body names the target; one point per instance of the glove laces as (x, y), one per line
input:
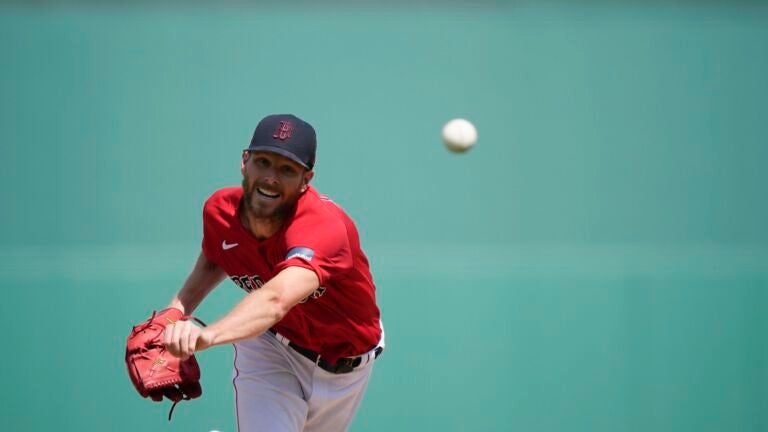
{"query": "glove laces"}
(170, 413)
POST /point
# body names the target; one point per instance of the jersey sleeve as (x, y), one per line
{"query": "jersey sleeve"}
(322, 246)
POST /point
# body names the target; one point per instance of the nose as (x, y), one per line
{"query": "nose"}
(270, 176)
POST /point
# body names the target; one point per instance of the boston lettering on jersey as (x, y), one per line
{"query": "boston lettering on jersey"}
(250, 283)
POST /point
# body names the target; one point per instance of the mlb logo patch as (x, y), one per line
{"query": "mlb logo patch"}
(300, 252)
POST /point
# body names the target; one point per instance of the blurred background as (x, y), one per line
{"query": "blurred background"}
(598, 262)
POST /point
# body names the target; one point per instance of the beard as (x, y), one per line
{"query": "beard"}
(275, 214)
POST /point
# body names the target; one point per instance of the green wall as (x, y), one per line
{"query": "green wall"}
(598, 262)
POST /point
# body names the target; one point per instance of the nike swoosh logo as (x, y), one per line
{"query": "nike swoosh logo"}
(228, 246)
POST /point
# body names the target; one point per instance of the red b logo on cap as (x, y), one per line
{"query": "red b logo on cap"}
(284, 131)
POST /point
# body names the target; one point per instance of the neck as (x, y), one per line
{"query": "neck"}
(261, 228)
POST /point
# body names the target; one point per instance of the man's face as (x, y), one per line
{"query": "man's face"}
(272, 184)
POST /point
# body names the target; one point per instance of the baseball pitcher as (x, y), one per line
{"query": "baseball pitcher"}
(307, 330)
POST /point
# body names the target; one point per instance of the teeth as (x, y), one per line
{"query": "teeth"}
(268, 193)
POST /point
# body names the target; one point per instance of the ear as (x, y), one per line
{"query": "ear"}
(307, 177)
(243, 160)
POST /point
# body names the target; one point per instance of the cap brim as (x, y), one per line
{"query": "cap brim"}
(281, 152)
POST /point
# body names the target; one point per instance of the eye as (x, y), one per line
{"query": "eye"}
(288, 170)
(261, 162)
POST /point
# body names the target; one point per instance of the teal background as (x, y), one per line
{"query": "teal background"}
(598, 262)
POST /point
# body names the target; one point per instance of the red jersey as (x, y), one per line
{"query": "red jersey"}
(341, 318)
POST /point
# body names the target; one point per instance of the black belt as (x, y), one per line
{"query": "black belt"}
(342, 366)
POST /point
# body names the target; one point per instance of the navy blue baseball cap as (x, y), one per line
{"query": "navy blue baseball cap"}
(286, 135)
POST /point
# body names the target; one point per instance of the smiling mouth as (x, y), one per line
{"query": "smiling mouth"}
(267, 193)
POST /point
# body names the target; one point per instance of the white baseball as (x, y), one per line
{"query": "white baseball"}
(459, 135)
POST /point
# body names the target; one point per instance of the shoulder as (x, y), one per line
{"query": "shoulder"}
(223, 203)
(225, 198)
(315, 210)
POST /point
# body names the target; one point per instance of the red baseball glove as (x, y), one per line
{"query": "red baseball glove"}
(153, 370)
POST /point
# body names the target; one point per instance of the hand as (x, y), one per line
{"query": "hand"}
(183, 338)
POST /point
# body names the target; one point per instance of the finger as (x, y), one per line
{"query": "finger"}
(194, 333)
(173, 393)
(183, 339)
(168, 338)
(175, 346)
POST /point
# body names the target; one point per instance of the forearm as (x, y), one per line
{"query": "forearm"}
(262, 308)
(203, 278)
(254, 315)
